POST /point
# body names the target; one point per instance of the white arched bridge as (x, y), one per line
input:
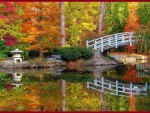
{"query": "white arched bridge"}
(117, 88)
(111, 41)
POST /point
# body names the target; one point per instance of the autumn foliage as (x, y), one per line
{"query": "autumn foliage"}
(133, 21)
(8, 20)
(41, 24)
(130, 75)
(131, 49)
(132, 101)
(8, 12)
(9, 40)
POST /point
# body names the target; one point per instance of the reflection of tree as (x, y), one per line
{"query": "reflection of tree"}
(33, 97)
(78, 99)
(132, 101)
(130, 75)
(63, 92)
(102, 101)
(116, 103)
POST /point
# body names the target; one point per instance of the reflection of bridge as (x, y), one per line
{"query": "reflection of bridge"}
(116, 88)
(110, 41)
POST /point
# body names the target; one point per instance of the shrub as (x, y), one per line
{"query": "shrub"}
(34, 53)
(87, 53)
(3, 55)
(74, 53)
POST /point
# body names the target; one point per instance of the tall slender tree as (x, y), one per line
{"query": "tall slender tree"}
(62, 21)
(101, 17)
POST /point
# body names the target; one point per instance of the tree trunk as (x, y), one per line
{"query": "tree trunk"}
(41, 53)
(101, 16)
(62, 19)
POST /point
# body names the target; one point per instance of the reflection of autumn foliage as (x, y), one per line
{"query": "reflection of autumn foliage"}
(130, 75)
(132, 101)
(78, 99)
(33, 97)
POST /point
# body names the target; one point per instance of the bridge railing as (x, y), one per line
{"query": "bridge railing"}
(111, 41)
(116, 88)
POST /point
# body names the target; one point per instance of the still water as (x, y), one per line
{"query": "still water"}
(100, 88)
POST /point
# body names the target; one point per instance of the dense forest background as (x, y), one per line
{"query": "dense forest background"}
(44, 26)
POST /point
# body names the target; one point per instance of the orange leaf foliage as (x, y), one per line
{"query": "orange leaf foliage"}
(41, 24)
(131, 49)
(132, 101)
(130, 75)
(133, 21)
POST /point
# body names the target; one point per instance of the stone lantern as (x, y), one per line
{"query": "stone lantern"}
(17, 77)
(17, 57)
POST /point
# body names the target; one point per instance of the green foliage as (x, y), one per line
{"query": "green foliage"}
(2, 49)
(5, 51)
(116, 103)
(144, 12)
(87, 53)
(13, 29)
(74, 53)
(4, 79)
(81, 17)
(143, 39)
(77, 78)
(115, 16)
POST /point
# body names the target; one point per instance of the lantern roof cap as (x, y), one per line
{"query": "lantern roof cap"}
(16, 51)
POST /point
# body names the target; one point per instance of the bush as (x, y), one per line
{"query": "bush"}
(3, 55)
(87, 53)
(34, 53)
(74, 53)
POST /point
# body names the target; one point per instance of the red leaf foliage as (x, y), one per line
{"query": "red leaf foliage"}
(9, 40)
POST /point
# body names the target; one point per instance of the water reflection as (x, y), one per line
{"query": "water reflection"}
(17, 79)
(116, 88)
(86, 90)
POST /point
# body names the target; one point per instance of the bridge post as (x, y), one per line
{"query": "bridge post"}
(88, 85)
(123, 39)
(102, 44)
(123, 89)
(102, 84)
(130, 39)
(116, 40)
(95, 45)
(145, 86)
(110, 85)
(109, 41)
(116, 87)
(87, 43)
(130, 88)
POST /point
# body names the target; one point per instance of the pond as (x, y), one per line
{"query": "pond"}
(99, 88)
